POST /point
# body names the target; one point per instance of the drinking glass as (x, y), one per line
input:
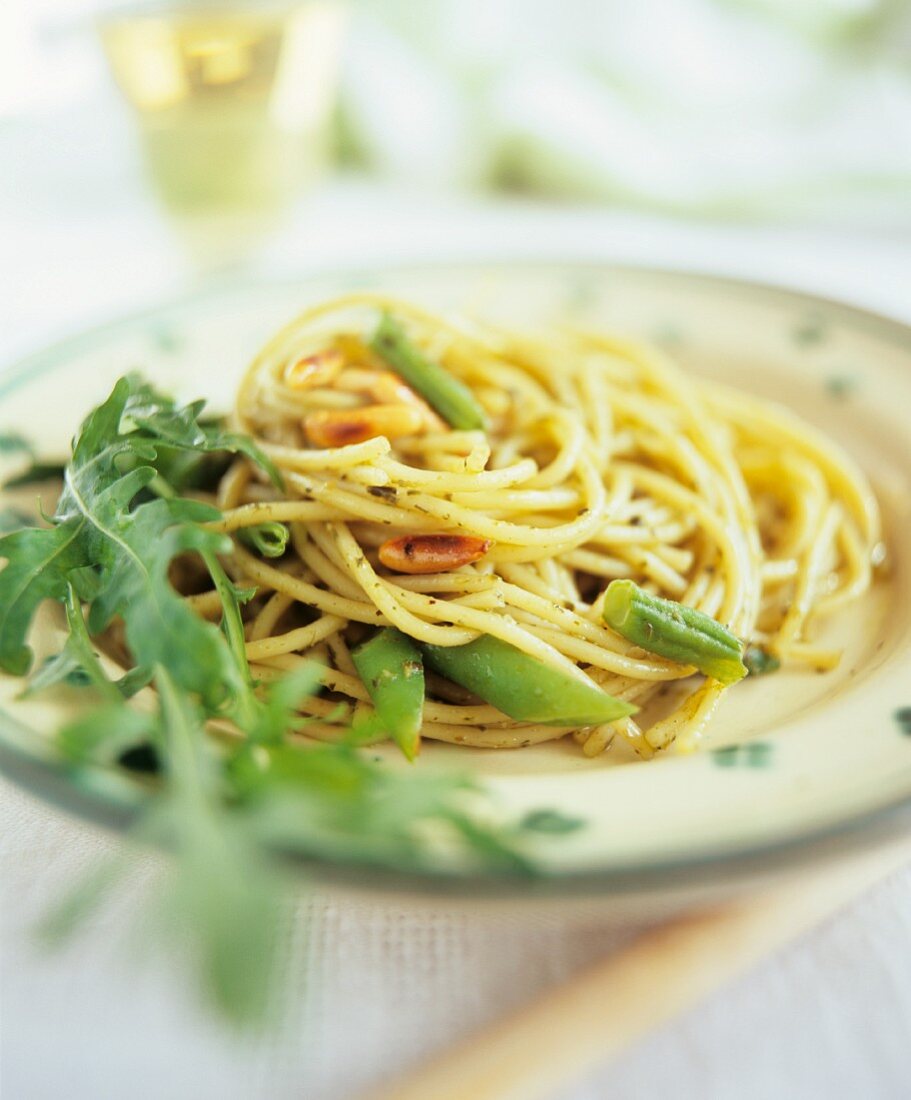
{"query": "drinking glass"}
(234, 103)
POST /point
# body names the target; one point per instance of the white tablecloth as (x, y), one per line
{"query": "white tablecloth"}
(381, 985)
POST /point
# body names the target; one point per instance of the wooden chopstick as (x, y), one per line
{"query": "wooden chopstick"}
(594, 1016)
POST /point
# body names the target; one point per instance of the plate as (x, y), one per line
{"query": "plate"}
(791, 760)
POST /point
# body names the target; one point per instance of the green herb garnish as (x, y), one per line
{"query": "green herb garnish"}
(223, 806)
(14, 519)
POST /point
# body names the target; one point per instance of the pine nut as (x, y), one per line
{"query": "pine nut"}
(387, 388)
(338, 427)
(431, 553)
(314, 370)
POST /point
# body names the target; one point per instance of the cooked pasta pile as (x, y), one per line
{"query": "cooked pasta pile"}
(600, 459)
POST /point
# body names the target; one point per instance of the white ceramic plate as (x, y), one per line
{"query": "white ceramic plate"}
(790, 757)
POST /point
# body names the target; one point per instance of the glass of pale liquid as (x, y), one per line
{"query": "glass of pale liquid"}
(234, 101)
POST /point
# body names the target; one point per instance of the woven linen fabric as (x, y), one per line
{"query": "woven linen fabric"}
(377, 984)
(374, 984)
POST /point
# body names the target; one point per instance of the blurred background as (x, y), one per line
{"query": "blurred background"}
(145, 146)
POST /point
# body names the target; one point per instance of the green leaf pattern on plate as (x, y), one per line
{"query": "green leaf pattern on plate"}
(841, 386)
(810, 331)
(550, 821)
(754, 754)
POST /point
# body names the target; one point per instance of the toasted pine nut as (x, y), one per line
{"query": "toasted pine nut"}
(431, 553)
(388, 389)
(314, 370)
(337, 427)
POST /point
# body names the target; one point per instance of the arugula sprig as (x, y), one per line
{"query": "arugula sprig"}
(116, 553)
(224, 805)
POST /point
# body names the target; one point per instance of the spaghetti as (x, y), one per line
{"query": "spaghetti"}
(597, 459)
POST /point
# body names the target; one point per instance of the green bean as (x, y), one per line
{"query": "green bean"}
(269, 539)
(391, 668)
(671, 630)
(452, 399)
(523, 687)
(759, 662)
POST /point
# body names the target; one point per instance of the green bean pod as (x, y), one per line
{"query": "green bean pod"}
(452, 399)
(673, 631)
(523, 687)
(269, 539)
(391, 668)
(759, 661)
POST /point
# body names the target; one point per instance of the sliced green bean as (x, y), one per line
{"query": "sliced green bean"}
(269, 539)
(673, 631)
(759, 662)
(392, 670)
(452, 399)
(523, 687)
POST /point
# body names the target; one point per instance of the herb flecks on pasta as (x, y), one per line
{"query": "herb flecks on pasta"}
(470, 486)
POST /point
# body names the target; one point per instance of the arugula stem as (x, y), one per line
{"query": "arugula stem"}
(81, 642)
(183, 741)
(232, 623)
(162, 488)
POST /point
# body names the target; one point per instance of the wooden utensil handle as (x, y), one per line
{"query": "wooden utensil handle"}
(597, 1014)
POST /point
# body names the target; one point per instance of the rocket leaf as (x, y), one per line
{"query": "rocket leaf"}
(106, 555)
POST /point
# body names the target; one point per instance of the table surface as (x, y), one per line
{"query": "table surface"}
(383, 985)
